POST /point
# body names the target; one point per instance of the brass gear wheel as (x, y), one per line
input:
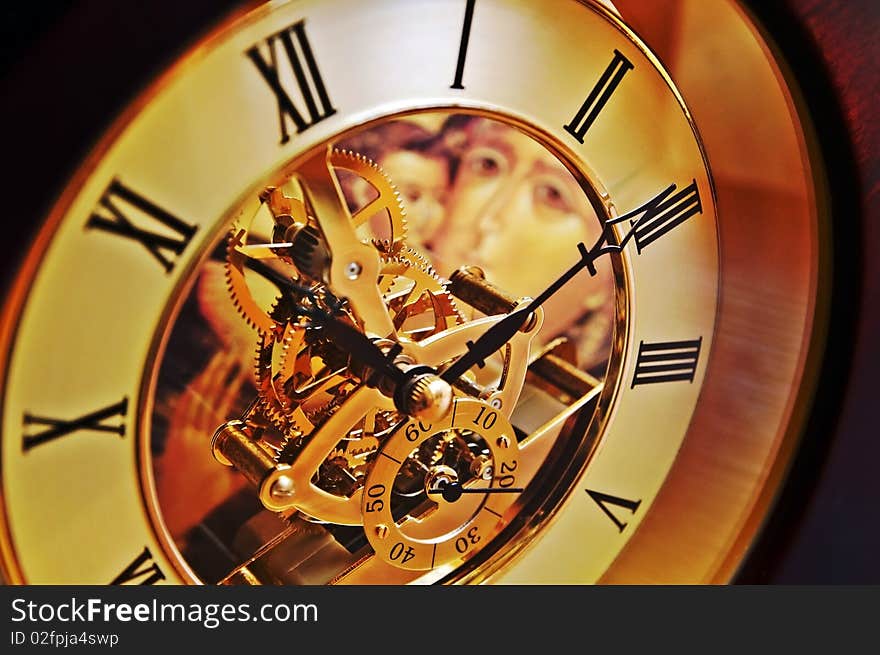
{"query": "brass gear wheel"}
(387, 200)
(413, 290)
(254, 234)
(302, 380)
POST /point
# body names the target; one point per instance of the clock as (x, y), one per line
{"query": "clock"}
(459, 291)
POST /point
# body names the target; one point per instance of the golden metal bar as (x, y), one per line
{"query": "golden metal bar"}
(563, 375)
(232, 446)
(469, 284)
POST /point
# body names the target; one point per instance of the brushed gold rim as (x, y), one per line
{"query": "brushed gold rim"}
(738, 451)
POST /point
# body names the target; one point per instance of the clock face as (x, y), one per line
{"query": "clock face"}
(389, 292)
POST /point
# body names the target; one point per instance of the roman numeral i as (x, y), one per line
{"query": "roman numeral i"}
(598, 96)
(463, 44)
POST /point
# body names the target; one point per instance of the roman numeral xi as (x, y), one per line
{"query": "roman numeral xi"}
(293, 44)
(116, 212)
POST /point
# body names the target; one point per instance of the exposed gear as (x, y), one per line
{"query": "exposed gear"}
(359, 444)
(413, 291)
(393, 235)
(300, 376)
(278, 237)
(423, 472)
(308, 253)
(272, 364)
(251, 303)
(302, 379)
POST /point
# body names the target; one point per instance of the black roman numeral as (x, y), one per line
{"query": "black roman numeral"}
(56, 428)
(648, 223)
(598, 98)
(142, 571)
(305, 70)
(463, 45)
(164, 247)
(668, 361)
(604, 500)
(665, 212)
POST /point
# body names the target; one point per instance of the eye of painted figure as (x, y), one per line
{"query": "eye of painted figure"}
(485, 162)
(551, 198)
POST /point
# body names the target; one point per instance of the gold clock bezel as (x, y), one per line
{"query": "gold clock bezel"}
(649, 544)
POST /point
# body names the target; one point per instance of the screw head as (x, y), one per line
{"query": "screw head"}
(481, 466)
(381, 531)
(503, 442)
(282, 488)
(353, 270)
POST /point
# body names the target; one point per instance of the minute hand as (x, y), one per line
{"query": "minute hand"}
(503, 331)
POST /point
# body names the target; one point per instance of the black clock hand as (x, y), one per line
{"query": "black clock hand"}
(500, 333)
(452, 491)
(359, 345)
(503, 331)
(416, 390)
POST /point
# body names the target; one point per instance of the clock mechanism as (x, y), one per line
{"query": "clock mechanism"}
(368, 439)
(427, 292)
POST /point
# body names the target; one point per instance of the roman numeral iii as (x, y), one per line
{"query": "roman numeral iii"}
(667, 361)
(54, 428)
(294, 46)
(114, 215)
(599, 96)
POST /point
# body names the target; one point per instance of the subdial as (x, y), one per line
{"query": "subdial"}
(438, 492)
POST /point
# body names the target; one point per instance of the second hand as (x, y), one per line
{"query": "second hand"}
(452, 492)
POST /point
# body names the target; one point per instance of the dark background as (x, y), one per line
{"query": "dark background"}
(68, 68)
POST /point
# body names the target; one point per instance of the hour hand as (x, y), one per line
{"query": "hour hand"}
(416, 390)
